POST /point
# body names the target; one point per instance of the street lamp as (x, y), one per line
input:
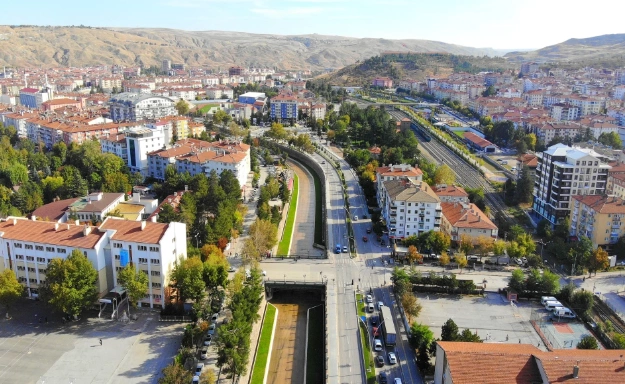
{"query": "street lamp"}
(321, 275)
(304, 278)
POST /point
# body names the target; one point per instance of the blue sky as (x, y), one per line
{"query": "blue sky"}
(478, 23)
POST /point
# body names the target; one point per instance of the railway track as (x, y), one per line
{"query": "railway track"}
(466, 175)
(606, 316)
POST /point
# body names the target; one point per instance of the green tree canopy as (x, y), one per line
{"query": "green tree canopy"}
(10, 288)
(70, 283)
(134, 282)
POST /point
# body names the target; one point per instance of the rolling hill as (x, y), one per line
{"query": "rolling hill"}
(605, 50)
(34, 46)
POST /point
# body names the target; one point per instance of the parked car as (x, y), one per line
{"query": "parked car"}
(195, 380)
(208, 341)
(369, 299)
(392, 359)
(380, 305)
(214, 317)
(211, 329)
(204, 353)
(383, 378)
(397, 381)
(337, 249)
(198, 368)
(344, 249)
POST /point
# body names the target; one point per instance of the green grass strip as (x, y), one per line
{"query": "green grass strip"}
(318, 206)
(260, 364)
(285, 243)
(366, 354)
(315, 371)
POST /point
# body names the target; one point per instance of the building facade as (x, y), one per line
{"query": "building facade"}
(599, 218)
(283, 107)
(562, 172)
(133, 107)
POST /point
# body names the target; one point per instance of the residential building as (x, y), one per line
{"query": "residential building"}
(529, 68)
(115, 144)
(384, 82)
(466, 219)
(134, 107)
(33, 98)
(562, 111)
(524, 364)
(235, 71)
(410, 208)
(94, 207)
(394, 172)
(565, 171)
(166, 66)
(27, 246)
(599, 218)
(451, 193)
(197, 156)
(283, 108)
(142, 141)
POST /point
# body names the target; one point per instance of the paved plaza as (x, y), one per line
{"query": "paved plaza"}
(54, 352)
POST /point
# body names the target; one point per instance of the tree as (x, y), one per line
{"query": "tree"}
(440, 242)
(420, 334)
(517, 281)
(597, 260)
(411, 305)
(483, 245)
(543, 229)
(134, 282)
(444, 260)
(470, 337)
(490, 91)
(461, 260)
(175, 374)
(444, 175)
(582, 302)
(524, 186)
(208, 376)
(182, 107)
(263, 235)
(277, 132)
(70, 284)
(499, 247)
(449, 331)
(413, 255)
(188, 278)
(588, 342)
(10, 288)
(466, 244)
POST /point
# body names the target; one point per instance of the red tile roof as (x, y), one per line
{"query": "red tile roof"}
(462, 215)
(47, 232)
(54, 211)
(475, 139)
(127, 230)
(450, 190)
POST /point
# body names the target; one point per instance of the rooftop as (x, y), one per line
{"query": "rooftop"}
(462, 215)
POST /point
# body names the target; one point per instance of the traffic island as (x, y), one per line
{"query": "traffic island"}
(367, 357)
(287, 235)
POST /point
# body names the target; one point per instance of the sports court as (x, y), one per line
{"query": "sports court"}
(559, 334)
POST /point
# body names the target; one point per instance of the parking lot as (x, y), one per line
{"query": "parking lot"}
(52, 352)
(492, 317)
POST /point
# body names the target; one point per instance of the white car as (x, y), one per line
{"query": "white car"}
(392, 359)
(264, 273)
(204, 353)
(211, 329)
(196, 380)
(198, 368)
(397, 380)
(369, 299)
(380, 305)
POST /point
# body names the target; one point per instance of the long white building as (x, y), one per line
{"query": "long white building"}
(133, 107)
(27, 246)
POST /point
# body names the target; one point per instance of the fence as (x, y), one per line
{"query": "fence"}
(542, 323)
(181, 319)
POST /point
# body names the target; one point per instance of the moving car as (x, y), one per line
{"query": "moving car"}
(337, 249)
(369, 299)
(380, 305)
(365, 239)
(369, 231)
(198, 368)
(204, 353)
(344, 249)
(392, 359)
(377, 344)
(383, 378)
(379, 360)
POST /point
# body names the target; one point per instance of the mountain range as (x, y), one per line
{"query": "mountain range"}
(33, 46)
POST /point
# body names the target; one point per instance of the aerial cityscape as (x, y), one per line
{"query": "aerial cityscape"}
(311, 191)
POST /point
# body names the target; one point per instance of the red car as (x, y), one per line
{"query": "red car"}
(365, 239)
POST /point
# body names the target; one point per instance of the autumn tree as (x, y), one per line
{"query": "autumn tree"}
(444, 260)
(461, 260)
(413, 255)
(484, 245)
(263, 235)
(444, 175)
(10, 288)
(188, 278)
(597, 260)
(175, 374)
(182, 107)
(466, 244)
(411, 305)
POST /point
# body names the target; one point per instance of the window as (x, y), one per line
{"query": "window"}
(33, 281)
(39, 247)
(31, 269)
(156, 285)
(49, 249)
(142, 248)
(42, 271)
(28, 246)
(155, 273)
(41, 259)
(61, 250)
(155, 261)
(21, 268)
(143, 260)
(117, 245)
(154, 249)
(117, 257)
(17, 245)
(30, 258)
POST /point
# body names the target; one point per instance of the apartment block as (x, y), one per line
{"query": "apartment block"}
(395, 172)
(27, 246)
(283, 107)
(134, 107)
(466, 219)
(599, 218)
(410, 208)
(565, 171)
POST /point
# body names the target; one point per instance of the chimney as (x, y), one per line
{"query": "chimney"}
(576, 370)
(77, 222)
(143, 224)
(56, 226)
(392, 168)
(14, 221)
(86, 230)
(33, 218)
(68, 227)
(153, 218)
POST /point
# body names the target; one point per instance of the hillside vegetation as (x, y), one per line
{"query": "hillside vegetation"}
(35, 46)
(417, 66)
(599, 51)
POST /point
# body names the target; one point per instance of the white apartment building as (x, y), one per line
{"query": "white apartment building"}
(134, 107)
(565, 171)
(566, 112)
(586, 105)
(410, 208)
(618, 92)
(27, 246)
(196, 156)
(139, 141)
(395, 172)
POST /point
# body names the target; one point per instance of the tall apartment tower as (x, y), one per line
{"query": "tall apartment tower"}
(166, 65)
(563, 172)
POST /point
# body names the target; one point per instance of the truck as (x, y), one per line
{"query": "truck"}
(388, 327)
